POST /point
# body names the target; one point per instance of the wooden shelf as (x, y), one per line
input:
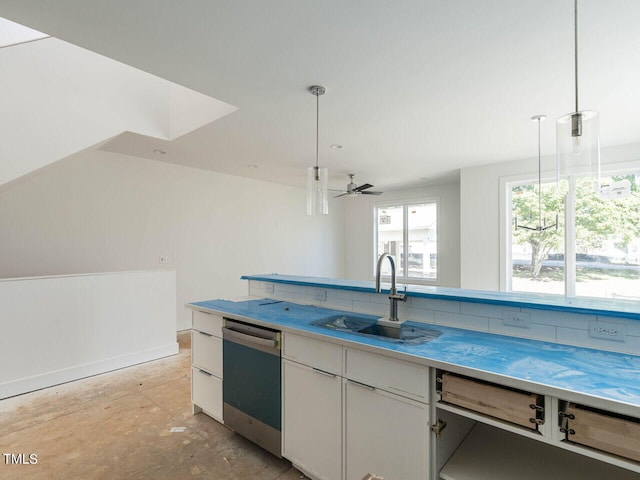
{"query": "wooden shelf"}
(489, 453)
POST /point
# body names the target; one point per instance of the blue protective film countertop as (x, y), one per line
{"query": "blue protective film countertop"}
(604, 375)
(592, 306)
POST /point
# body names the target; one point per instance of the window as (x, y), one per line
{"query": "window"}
(408, 232)
(595, 252)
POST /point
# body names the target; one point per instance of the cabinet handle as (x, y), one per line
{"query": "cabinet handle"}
(205, 334)
(363, 385)
(322, 372)
(206, 373)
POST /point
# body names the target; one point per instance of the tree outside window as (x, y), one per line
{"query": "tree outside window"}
(605, 257)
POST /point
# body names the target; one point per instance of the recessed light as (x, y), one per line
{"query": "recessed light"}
(159, 152)
(252, 165)
(335, 146)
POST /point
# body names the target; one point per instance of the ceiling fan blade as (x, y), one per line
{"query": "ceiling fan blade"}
(362, 187)
(371, 192)
(341, 195)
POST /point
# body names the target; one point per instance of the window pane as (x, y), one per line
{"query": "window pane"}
(423, 241)
(537, 257)
(390, 237)
(608, 239)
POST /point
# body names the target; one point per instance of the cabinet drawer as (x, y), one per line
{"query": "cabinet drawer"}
(207, 322)
(206, 392)
(610, 433)
(206, 352)
(395, 376)
(314, 353)
(522, 408)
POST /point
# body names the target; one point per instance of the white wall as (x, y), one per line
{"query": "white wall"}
(358, 231)
(59, 329)
(480, 213)
(101, 212)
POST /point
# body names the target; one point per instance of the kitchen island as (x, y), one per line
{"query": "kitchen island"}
(429, 389)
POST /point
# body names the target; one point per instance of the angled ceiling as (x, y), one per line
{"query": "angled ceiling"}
(416, 89)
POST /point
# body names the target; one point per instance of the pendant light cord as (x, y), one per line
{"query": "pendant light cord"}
(317, 132)
(539, 178)
(575, 46)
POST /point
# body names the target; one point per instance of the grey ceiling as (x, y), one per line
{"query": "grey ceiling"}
(416, 89)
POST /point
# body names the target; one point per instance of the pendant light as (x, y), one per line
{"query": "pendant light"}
(317, 177)
(542, 225)
(578, 133)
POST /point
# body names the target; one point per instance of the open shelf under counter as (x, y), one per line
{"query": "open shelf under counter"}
(490, 453)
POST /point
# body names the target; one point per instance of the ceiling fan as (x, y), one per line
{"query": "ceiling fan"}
(353, 189)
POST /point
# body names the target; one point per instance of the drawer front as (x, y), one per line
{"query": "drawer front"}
(493, 400)
(206, 352)
(606, 432)
(206, 392)
(207, 322)
(389, 374)
(313, 353)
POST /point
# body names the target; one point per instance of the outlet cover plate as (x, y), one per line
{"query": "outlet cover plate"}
(320, 295)
(608, 331)
(516, 319)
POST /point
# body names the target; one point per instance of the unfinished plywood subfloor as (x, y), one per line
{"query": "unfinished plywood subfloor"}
(118, 426)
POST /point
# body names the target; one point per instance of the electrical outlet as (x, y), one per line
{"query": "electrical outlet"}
(165, 259)
(320, 295)
(608, 331)
(268, 288)
(516, 319)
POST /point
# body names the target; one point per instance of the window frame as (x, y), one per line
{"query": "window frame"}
(506, 221)
(404, 203)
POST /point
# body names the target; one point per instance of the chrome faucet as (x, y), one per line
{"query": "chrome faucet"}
(394, 296)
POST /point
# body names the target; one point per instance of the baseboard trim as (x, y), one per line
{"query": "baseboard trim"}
(57, 377)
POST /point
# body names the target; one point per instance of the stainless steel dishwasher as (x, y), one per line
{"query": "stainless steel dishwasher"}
(251, 388)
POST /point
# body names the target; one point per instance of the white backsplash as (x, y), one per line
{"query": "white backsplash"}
(547, 325)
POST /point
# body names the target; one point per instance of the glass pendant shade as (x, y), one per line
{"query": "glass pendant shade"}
(317, 193)
(578, 145)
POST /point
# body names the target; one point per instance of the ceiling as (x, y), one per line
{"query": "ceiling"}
(416, 89)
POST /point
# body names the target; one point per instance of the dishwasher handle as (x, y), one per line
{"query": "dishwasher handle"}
(269, 345)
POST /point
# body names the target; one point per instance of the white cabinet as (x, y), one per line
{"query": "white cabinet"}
(315, 353)
(386, 414)
(206, 352)
(312, 406)
(206, 364)
(390, 374)
(385, 434)
(312, 420)
(336, 411)
(206, 393)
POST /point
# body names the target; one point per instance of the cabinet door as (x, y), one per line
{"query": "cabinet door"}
(312, 420)
(385, 434)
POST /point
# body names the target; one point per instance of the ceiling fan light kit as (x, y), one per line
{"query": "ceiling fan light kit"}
(578, 133)
(317, 177)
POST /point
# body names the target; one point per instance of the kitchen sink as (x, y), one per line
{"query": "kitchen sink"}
(348, 323)
(398, 334)
(404, 333)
